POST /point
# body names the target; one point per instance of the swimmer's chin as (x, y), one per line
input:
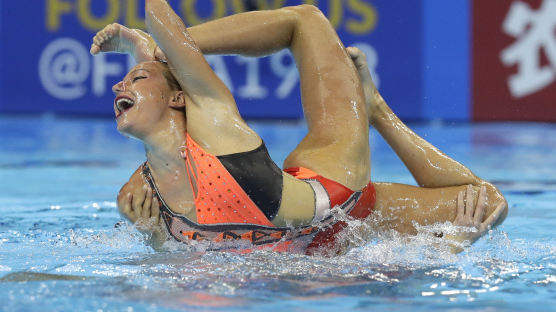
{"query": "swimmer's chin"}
(126, 130)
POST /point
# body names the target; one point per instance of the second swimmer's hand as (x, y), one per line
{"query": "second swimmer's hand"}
(469, 217)
(138, 205)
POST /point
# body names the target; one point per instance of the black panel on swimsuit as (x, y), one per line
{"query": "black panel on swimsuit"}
(259, 177)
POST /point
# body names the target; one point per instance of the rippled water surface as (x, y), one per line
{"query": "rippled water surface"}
(61, 251)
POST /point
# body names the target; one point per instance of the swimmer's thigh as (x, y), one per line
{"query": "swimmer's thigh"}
(337, 145)
(398, 206)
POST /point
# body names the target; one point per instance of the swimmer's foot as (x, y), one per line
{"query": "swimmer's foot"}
(373, 99)
(120, 39)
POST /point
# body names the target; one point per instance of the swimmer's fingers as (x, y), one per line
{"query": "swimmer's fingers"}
(461, 206)
(127, 203)
(155, 209)
(493, 217)
(126, 207)
(466, 208)
(469, 203)
(480, 208)
(120, 200)
(138, 200)
(146, 209)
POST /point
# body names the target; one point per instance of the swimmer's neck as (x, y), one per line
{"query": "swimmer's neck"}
(162, 146)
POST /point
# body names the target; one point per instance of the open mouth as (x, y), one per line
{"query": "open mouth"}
(123, 104)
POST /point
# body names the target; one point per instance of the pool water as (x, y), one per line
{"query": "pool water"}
(61, 251)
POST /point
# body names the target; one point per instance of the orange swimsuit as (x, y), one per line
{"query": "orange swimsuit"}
(227, 212)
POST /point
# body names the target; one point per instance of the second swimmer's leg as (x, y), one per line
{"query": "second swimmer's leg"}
(441, 178)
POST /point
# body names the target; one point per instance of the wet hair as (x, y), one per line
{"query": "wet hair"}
(172, 82)
(170, 79)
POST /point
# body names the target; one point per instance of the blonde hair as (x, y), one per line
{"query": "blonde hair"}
(170, 79)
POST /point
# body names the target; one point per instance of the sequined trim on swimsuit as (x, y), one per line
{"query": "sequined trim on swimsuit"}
(182, 229)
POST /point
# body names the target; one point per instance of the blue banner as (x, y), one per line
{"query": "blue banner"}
(46, 65)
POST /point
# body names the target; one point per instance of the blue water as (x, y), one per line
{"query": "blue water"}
(61, 251)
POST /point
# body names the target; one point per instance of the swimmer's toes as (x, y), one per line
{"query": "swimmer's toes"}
(107, 40)
(357, 56)
(97, 40)
(112, 30)
(353, 52)
(95, 49)
(106, 36)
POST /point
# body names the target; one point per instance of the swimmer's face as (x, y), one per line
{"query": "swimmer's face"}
(142, 99)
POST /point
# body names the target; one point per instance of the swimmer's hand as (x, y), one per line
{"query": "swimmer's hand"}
(120, 39)
(137, 204)
(469, 217)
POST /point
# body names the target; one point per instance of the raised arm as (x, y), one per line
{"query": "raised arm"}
(212, 118)
(185, 58)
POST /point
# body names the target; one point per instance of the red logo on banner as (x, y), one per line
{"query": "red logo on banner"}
(514, 60)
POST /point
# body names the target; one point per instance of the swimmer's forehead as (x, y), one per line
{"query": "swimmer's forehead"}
(145, 66)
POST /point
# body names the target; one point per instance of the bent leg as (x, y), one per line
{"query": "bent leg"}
(337, 143)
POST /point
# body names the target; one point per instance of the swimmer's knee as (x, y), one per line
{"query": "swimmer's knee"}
(305, 10)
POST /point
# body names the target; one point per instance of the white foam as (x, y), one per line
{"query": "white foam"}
(4, 268)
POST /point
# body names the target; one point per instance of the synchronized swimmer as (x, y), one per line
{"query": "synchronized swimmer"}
(208, 176)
